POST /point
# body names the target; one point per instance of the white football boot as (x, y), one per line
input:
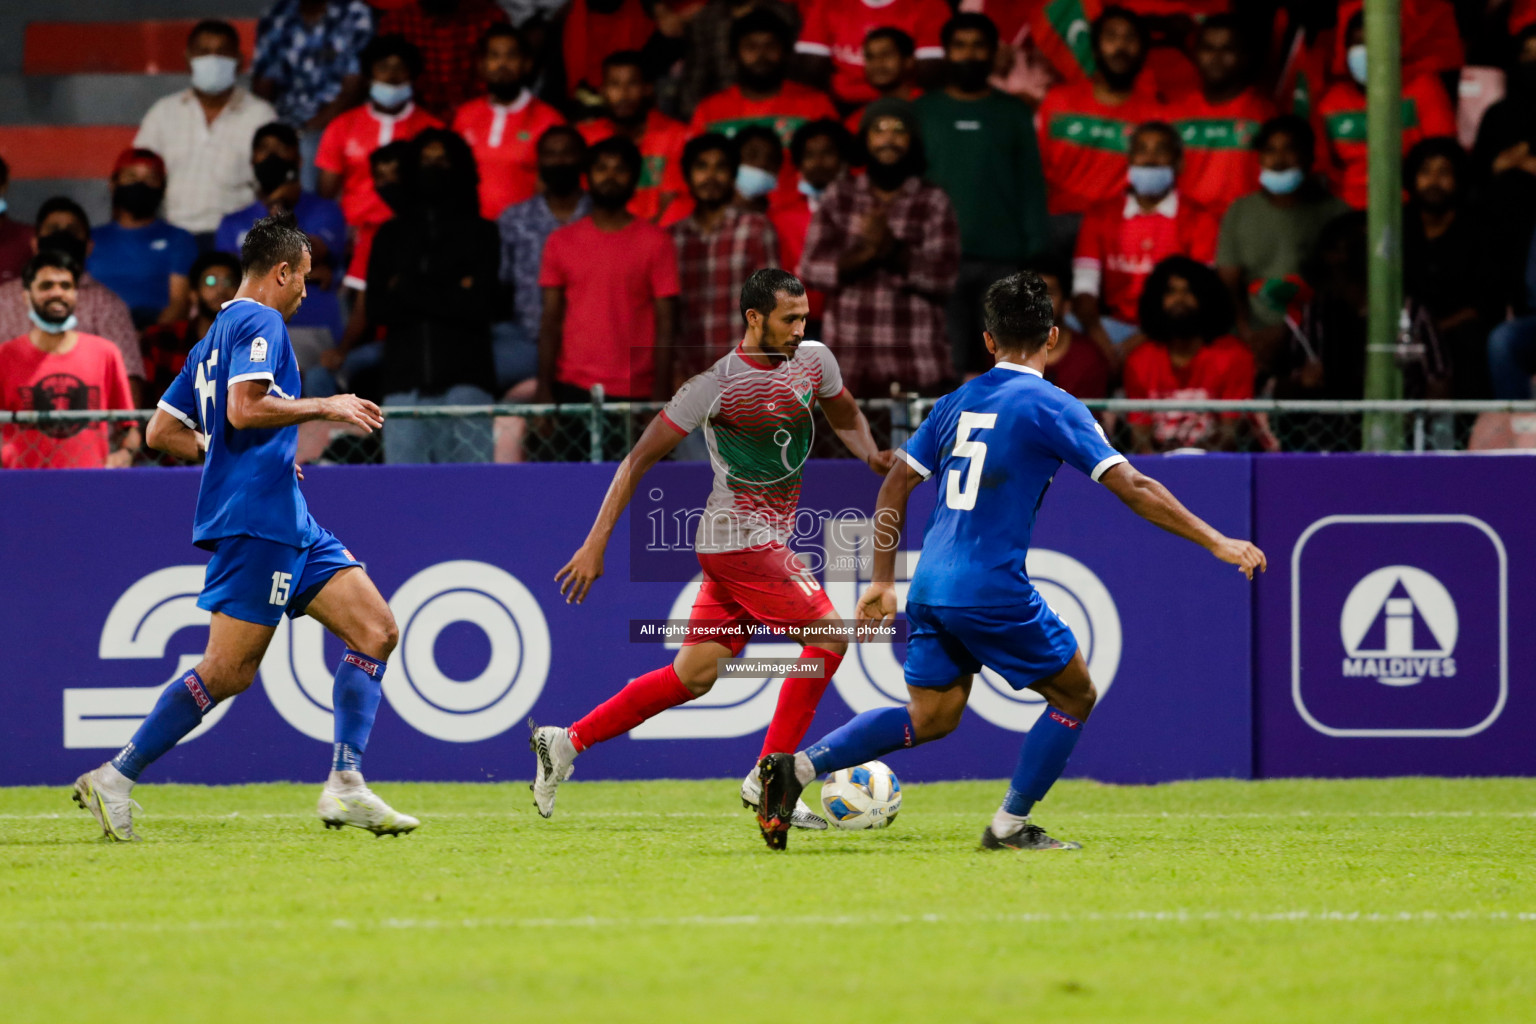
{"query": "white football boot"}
(555, 761)
(358, 806)
(104, 792)
(752, 797)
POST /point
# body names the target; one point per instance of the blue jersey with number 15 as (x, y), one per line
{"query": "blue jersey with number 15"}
(994, 446)
(249, 487)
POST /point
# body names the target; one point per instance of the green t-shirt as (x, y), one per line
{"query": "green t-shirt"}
(1270, 244)
(984, 154)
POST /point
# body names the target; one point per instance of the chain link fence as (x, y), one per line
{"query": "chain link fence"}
(604, 431)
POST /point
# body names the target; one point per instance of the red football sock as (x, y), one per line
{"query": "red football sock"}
(645, 697)
(797, 704)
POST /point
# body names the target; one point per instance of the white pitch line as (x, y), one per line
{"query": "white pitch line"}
(1281, 917)
(146, 815)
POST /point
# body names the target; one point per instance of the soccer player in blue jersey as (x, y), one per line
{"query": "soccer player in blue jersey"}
(994, 446)
(236, 400)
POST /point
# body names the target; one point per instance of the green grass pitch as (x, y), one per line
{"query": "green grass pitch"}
(1395, 900)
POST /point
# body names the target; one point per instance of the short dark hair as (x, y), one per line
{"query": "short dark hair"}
(763, 132)
(214, 27)
(709, 141)
(1115, 12)
(381, 47)
(501, 30)
(62, 204)
(208, 260)
(1161, 128)
(1018, 313)
(1054, 264)
(272, 240)
(1439, 145)
(969, 20)
(823, 128)
(1299, 132)
(398, 151)
(904, 43)
(284, 133)
(628, 59)
(761, 290)
(1216, 313)
(49, 258)
(621, 147)
(554, 131)
(760, 19)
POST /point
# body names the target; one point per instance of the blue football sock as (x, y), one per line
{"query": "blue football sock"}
(1042, 759)
(865, 738)
(355, 697)
(179, 710)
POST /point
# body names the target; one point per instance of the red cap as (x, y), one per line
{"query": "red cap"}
(138, 156)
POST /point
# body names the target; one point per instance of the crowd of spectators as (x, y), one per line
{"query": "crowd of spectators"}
(526, 199)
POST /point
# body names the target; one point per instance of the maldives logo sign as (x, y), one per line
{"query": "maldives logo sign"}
(1399, 626)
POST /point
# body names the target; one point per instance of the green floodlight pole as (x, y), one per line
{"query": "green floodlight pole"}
(1384, 109)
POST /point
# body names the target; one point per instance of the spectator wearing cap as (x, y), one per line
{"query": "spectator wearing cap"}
(719, 246)
(215, 276)
(138, 255)
(822, 152)
(710, 62)
(204, 134)
(629, 109)
(504, 126)
(1123, 238)
(392, 65)
(275, 156)
(308, 65)
(983, 153)
(447, 33)
(52, 366)
(836, 31)
(15, 237)
(885, 248)
(62, 226)
(890, 69)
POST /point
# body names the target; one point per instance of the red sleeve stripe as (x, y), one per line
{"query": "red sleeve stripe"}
(668, 421)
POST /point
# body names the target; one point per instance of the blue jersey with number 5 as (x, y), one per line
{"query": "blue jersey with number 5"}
(993, 446)
(249, 487)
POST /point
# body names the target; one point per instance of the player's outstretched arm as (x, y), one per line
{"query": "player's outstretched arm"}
(853, 430)
(168, 434)
(878, 605)
(1157, 505)
(586, 565)
(252, 408)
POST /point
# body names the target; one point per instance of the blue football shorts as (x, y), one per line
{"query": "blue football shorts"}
(258, 580)
(1023, 643)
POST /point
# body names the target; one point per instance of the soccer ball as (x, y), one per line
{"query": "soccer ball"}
(864, 797)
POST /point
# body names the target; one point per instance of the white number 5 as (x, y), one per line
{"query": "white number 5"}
(960, 491)
(281, 581)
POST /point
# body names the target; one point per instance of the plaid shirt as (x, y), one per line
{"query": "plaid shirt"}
(888, 324)
(525, 227)
(100, 311)
(308, 64)
(710, 65)
(711, 268)
(448, 49)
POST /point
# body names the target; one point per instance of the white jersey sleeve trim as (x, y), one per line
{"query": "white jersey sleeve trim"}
(240, 378)
(922, 470)
(183, 417)
(929, 53)
(815, 49)
(1106, 466)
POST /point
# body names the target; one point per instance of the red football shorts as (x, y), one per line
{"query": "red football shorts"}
(768, 585)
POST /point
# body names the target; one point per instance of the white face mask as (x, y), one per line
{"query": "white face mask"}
(1355, 58)
(213, 74)
(753, 182)
(51, 327)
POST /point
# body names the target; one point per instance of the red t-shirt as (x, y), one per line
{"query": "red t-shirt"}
(728, 111)
(589, 36)
(1120, 243)
(661, 154)
(1220, 163)
(1061, 30)
(1222, 369)
(1521, 14)
(612, 280)
(1081, 371)
(347, 144)
(836, 29)
(88, 376)
(1426, 113)
(1085, 144)
(505, 138)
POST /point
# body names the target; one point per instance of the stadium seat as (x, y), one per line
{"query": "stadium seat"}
(115, 47)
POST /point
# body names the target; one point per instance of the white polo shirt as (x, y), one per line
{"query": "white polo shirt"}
(208, 166)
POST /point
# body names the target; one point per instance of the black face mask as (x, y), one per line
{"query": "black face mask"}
(504, 92)
(273, 172)
(394, 195)
(64, 242)
(768, 81)
(560, 179)
(970, 75)
(138, 200)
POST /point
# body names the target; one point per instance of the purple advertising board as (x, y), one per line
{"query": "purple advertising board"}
(99, 613)
(1390, 634)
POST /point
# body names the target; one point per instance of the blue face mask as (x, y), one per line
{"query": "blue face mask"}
(51, 327)
(1282, 183)
(387, 96)
(1355, 58)
(806, 189)
(4, 205)
(1150, 181)
(753, 182)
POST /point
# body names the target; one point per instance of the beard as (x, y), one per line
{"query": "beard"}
(504, 92)
(889, 177)
(766, 80)
(1119, 81)
(1185, 324)
(611, 199)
